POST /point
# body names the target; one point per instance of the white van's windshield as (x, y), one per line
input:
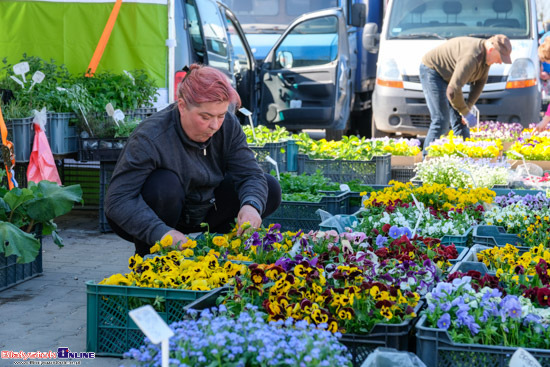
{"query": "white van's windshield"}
(258, 16)
(436, 19)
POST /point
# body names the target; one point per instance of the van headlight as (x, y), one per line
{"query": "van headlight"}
(388, 74)
(522, 74)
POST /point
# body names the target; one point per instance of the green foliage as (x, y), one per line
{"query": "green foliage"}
(309, 188)
(21, 209)
(264, 135)
(125, 128)
(120, 90)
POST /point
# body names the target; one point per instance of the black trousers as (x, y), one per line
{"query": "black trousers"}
(161, 192)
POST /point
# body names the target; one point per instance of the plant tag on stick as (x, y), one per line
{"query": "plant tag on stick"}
(21, 69)
(272, 161)
(118, 115)
(16, 79)
(420, 214)
(110, 109)
(130, 76)
(344, 187)
(522, 358)
(37, 77)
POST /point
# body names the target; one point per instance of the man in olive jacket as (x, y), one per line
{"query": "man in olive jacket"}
(446, 69)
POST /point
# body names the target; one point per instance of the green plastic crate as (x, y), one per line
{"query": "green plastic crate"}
(458, 240)
(111, 331)
(376, 171)
(296, 215)
(495, 236)
(520, 192)
(436, 349)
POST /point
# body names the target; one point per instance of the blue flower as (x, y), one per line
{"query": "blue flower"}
(406, 231)
(381, 240)
(394, 232)
(444, 321)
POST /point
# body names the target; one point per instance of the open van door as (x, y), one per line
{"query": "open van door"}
(306, 76)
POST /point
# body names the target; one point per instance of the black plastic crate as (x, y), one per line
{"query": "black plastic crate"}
(277, 152)
(85, 174)
(12, 273)
(398, 336)
(296, 215)
(208, 300)
(402, 174)
(377, 171)
(436, 349)
(102, 150)
(105, 173)
(20, 175)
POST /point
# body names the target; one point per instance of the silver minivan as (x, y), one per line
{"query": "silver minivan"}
(413, 27)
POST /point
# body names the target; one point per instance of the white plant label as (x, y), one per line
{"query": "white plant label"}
(110, 109)
(152, 325)
(522, 358)
(272, 161)
(16, 79)
(295, 103)
(37, 77)
(118, 115)
(344, 187)
(21, 69)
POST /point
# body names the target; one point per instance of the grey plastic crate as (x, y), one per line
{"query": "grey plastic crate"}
(458, 240)
(143, 112)
(376, 171)
(62, 137)
(296, 215)
(105, 173)
(436, 349)
(495, 236)
(21, 134)
(470, 262)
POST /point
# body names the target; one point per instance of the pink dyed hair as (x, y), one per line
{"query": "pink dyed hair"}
(204, 84)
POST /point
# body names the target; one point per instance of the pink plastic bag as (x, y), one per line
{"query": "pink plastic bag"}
(41, 163)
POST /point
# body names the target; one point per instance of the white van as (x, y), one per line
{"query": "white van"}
(413, 27)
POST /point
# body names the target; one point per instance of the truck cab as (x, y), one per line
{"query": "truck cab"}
(413, 27)
(317, 82)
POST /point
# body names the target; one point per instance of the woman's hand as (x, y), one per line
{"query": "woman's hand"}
(177, 238)
(248, 214)
(542, 125)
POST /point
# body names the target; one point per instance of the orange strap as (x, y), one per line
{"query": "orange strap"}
(6, 146)
(98, 53)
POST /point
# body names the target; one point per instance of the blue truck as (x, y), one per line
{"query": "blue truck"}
(314, 71)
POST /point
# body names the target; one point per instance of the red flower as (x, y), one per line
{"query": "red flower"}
(543, 296)
(386, 228)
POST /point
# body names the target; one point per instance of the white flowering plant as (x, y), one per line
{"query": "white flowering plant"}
(462, 172)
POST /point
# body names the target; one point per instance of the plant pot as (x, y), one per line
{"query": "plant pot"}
(63, 138)
(21, 134)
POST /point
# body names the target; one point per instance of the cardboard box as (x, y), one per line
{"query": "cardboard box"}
(408, 161)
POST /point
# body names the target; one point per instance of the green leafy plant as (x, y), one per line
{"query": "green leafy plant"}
(125, 128)
(122, 91)
(21, 209)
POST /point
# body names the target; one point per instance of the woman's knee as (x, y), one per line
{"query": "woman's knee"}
(273, 195)
(162, 186)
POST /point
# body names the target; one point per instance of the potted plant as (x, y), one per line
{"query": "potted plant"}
(24, 210)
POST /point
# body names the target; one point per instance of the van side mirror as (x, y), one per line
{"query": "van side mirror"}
(285, 59)
(358, 15)
(371, 37)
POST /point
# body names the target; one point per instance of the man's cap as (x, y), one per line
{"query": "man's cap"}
(502, 44)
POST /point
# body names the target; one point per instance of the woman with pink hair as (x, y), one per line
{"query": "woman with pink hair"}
(186, 165)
